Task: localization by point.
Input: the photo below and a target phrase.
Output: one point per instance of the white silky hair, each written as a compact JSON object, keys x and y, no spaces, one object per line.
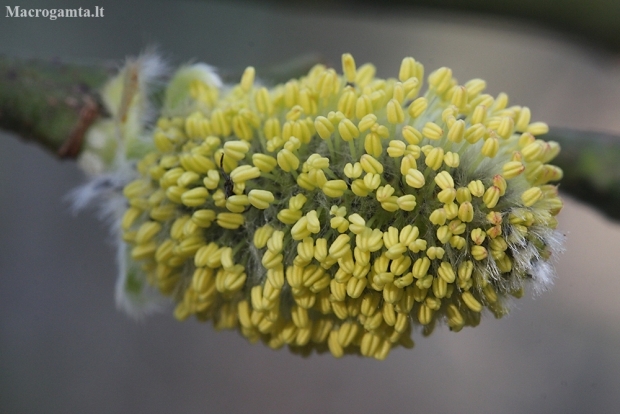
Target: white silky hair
{"x":104,"y":192}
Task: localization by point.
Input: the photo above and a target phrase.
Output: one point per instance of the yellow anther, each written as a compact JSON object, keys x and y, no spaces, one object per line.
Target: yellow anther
{"x":187,"y":178}
{"x":523,"y":120}
{"x":411,"y":135}
{"x":289,"y":216}
{"x":347,"y":101}
{"x":432,"y":131}
{"x":370,"y":164}
{"x":194,"y":197}
{"x":265,"y":163}
{"x":242,"y":128}
{"x":339,"y":223}
{"x":143,"y":251}
{"x":458,"y":242}
{"x":415,"y":178}
{"x":367,"y":122}
{"x":425,"y":314}
{"x":538,"y":128}
{"x":471,"y":302}
{"x":399,"y":94}
{"x":491,"y":196}
{"x":347,"y":129}
{"x":512,"y":169}
{"x":314,"y":225}
{"x":505,"y":128}
{"x":396,"y":148}
{"x":384,"y":192}
{"x":406,"y":202}
{"x":244,"y":173}
{"x":262,"y":236}
{"x":263,"y":101}
{"x":438,"y":217}
{"x":305,"y":250}
{"x":334,"y":188}
{"x":287,"y":160}
{"x":260,"y":198}
{"x":230,"y":221}
{"x":372,"y":144}
{"x":494,"y":217}
{"x":130,"y":217}
{"x":390,"y":204}
{"x":552,"y":149}
{"x":465,"y":270}
{"x":533,"y":151}
{"x":474,"y":133}
{"x":348,"y":67}
{"x":435,"y":253}
{"x":459,"y":97}
{"x":531,"y":196}
{"x":220,"y":123}
{"x":479,"y":115}
{"x":447,"y":196}
{"x":444,"y":180}
{"x":203,"y":218}
{"x":499,"y":182}
{"x":490,"y":147}
{"x":466,"y":212}
{"x":444,"y":234}
{"x":479,"y":252}
{"x":474,"y":87}
{"x":456,"y":133}
{"x":237,"y":203}
{"x":417,"y":107}
{"x":355,"y":287}
{"x":324,"y":127}
{"x":407,"y":69}
{"x":407,"y":163}
{"x":340,"y":246}
{"x":363,"y":107}
{"x":370,"y":240}
{"x":272,"y":128}
{"x":327,"y":84}
{"x":356,"y":223}
{"x":476,"y":188}
{"x":359,"y":188}
{"x":353,"y":170}
{"x":434,"y":159}
{"x":147,"y":231}
{"x":365,"y":74}
{"x":440,"y":80}
{"x":247,"y":79}
{"x":394,"y":111}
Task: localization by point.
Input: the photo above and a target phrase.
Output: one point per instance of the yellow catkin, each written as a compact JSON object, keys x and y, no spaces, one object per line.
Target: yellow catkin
{"x":336,"y":212}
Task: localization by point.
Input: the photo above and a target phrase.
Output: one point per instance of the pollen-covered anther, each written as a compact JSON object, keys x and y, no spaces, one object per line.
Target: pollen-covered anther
{"x":531,"y":196}
{"x":260,"y":199}
{"x":434,"y":158}
{"x":432,"y":131}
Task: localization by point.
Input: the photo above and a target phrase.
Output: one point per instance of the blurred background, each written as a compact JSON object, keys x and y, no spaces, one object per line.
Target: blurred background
{"x":64,"y":348}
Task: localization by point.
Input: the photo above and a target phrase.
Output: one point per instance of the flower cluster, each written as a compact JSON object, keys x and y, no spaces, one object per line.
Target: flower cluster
{"x":335,"y":212}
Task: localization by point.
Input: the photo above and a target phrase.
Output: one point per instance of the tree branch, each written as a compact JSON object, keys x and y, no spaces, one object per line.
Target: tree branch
{"x":51,"y":103}
{"x":591,"y":165}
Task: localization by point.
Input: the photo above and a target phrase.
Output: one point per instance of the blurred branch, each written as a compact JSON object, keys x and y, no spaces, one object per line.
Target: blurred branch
{"x":591,"y":165}
{"x":595,"y":21}
{"x":54,"y":103}
{"x":51,"y":103}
